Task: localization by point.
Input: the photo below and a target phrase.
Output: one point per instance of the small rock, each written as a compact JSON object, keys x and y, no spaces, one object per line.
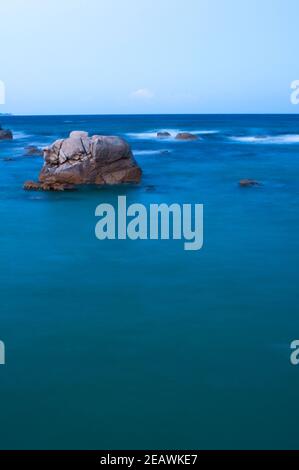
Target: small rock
{"x":32,"y":150}
{"x":245,"y":183}
{"x":31,"y":186}
{"x":163,"y":135}
{"x":150,"y":188}
{"x":186,"y":136}
{"x":34,"y":186}
{"x":57,"y":187}
{"x":5,"y":134}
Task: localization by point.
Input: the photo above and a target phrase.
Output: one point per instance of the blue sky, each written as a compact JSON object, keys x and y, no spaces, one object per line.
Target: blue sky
{"x":148,"y":56}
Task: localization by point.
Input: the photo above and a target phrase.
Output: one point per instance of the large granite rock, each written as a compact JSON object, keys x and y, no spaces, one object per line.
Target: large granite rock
{"x":5,"y":134}
{"x":81,"y":159}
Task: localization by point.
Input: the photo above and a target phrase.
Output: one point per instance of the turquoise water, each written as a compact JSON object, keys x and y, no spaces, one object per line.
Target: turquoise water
{"x":140,"y":344}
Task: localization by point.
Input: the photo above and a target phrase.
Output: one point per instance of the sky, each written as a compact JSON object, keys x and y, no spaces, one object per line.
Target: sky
{"x":148,"y":56}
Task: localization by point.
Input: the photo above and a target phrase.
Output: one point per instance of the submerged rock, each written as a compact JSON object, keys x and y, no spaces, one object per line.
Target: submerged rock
{"x":150,"y":188}
{"x":186,"y":136}
{"x":81,"y":159}
{"x":245,"y":183}
{"x":163,"y":135}
{"x":5,"y":134}
{"x":32,"y":150}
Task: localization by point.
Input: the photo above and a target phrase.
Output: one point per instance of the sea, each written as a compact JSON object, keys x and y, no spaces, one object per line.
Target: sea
{"x":140,"y":344}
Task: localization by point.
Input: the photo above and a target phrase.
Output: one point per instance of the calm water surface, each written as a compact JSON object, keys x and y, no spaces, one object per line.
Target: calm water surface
{"x":140,"y":344}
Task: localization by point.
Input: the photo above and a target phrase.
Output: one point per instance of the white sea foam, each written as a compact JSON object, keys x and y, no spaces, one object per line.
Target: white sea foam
{"x":147,"y":152}
{"x":20,"y":135}
{"x":41,"y":144}
{"x":268,"y":139}
{"x":202,"y":132}
{"x":152,"y":134}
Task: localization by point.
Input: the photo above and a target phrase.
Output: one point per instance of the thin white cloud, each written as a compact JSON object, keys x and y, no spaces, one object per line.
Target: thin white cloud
{"x":143,"y":93}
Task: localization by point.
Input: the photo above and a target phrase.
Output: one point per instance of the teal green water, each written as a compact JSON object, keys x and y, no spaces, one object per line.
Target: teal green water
{"x":140,"y":344}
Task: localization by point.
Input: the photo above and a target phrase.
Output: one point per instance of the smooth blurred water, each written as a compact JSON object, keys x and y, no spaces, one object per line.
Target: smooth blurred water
{"x":140,"y":344}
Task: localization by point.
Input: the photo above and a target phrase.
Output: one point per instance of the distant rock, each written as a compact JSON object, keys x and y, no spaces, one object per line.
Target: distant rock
{"x":32,"y":150}
{"x":5,"y":134}
{"x":8,"y":159}
{"x":245,"y":183}
{"x":186,"y":136}
{"x":80,"y":159}
{"x":163,"y":135}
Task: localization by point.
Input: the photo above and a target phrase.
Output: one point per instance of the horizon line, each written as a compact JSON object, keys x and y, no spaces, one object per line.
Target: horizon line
{"x":153,"y":114}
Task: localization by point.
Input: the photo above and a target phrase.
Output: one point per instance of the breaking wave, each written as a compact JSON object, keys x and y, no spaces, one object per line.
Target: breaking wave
{"x":20,"y":135}
{"x":152,"y":134}
{"x":268,"y":139}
